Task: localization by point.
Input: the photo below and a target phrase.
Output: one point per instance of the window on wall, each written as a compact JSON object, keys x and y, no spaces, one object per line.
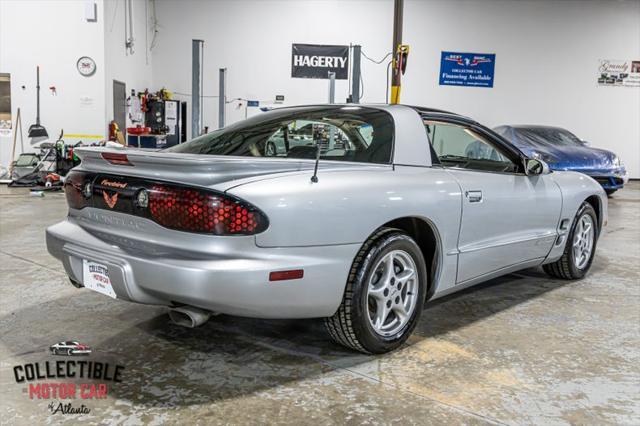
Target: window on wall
{"x":461,"y":147}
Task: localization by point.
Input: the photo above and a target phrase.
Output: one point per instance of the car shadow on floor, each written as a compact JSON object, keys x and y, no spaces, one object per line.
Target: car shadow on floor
{"x":229,"y":357}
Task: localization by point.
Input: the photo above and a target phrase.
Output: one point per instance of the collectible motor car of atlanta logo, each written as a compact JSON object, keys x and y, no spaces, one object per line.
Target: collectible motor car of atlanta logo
{"x":67,"y":379}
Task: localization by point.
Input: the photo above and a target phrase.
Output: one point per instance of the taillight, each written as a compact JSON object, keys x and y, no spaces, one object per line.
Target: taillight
{"x":195,"y":210}
{"x":116,"y":158}
{"x":74,"y":185}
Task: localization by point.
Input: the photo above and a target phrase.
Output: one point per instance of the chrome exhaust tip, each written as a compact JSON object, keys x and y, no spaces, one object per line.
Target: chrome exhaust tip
{"x":189,"y":316}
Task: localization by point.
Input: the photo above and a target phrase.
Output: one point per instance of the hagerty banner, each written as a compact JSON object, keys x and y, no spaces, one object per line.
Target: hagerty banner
{"x":467,"y":69}
{"x":316,"y":61}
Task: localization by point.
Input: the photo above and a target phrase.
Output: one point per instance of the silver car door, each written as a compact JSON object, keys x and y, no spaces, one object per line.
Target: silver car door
{"x":508,"y":218}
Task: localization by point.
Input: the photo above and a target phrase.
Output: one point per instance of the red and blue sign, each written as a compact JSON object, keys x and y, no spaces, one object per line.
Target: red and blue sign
{"x":467,"y":69}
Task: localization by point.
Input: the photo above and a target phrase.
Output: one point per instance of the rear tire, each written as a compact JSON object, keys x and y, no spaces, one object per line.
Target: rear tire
{"x":384,"y":295}
{"x":610,"y":192}
{"x":573,"y":266}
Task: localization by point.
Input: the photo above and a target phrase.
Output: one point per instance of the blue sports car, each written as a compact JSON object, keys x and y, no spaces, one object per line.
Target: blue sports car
{"x":563,"y":150}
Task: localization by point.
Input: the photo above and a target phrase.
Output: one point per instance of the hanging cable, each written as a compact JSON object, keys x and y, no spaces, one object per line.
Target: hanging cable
{"x":155,"y":26}
{"x":373,"y":60}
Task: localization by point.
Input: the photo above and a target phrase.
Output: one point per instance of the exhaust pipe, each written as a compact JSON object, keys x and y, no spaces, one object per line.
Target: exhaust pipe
{"x":189,"y":316}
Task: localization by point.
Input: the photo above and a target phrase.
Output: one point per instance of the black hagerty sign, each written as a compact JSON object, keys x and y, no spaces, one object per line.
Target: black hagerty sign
{"x":316,"y":61}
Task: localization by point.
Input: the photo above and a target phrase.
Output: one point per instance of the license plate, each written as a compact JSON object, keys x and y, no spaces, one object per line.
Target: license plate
{"x":96,"y":277}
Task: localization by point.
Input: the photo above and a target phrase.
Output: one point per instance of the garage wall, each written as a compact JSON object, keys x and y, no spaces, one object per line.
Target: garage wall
{"x":53,"y":35}
{"x":252,"y":39}
{"x":546,"y":64}
{"x":135,"y":70}
{"x":547,"y":56}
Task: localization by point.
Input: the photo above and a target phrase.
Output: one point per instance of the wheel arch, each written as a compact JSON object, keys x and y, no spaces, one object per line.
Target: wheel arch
{"x":426,"y":235}
{"x":596,"y":203}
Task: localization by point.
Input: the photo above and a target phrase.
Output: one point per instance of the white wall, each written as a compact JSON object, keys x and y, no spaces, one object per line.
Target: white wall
{"x":547,"y":56}
{"x":546,"y":64}
{"x":252,"y":39}
{"x":53,"y":35}
{"x":135,"y":69}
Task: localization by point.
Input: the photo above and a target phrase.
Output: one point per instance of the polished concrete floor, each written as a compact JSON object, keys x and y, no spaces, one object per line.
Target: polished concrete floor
{"x":523,"y":349}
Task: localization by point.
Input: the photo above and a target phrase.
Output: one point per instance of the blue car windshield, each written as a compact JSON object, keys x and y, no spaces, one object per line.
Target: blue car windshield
{"x":548,"y":136}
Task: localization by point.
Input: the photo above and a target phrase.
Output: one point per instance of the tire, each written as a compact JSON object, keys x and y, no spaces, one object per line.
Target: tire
{"x":366,"y":294}
{"x":69,"y":352}
{"x":567,"y":267}
{"x":610,"y":192}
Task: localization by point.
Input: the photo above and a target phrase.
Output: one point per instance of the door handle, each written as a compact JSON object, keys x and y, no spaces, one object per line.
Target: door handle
{"x":474,"y":196}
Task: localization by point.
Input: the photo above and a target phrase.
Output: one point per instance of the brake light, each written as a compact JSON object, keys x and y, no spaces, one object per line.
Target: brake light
{"x":195,"y":210}
{"x":116,"y":158}
{"x":74,"y":184}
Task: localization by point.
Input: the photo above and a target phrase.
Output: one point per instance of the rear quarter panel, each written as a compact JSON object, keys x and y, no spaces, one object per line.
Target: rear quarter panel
{"x":347,"y":207}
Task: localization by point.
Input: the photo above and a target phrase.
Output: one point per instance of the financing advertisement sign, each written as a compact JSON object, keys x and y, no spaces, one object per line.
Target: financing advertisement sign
{"x":316,"y":61}
{"x":615,"y":72}
{"x":467,"y":69}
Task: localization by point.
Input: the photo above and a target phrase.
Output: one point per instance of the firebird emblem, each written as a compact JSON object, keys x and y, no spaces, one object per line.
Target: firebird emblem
{"x":110,"y":200}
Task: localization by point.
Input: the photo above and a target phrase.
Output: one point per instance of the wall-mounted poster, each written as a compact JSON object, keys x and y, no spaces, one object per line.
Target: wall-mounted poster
{"x":467,"y":69}
{"x":316,"y":61}
{"x":615,"y":72}
{"x":5,"y":104}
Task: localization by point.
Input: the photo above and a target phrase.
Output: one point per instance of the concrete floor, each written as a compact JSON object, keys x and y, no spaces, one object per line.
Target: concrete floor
{"x":523,"y":349}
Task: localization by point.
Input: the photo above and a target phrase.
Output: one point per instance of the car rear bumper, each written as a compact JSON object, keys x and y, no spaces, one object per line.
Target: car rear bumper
{"x":236,"y":284}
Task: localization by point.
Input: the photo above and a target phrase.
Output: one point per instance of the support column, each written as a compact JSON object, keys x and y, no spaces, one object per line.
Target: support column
{"x":196,"y":77}
{"x":355,"y":74}
{"x":397,"y":41}
{"x":222,"y":97}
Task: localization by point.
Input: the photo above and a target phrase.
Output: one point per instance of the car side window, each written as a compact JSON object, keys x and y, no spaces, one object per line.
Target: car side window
{"x":462,"y":147}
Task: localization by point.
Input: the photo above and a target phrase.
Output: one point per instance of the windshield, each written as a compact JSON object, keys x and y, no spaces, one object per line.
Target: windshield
{"x":548,"y":135}
{"x":348,"y":133}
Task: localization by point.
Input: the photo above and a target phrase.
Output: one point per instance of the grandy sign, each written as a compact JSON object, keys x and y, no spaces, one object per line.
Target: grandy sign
{"x":316,"y":61}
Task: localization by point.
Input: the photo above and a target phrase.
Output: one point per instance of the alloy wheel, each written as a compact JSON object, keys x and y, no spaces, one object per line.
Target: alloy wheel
{"x":392,"y":292}
{"x":583,"y":238}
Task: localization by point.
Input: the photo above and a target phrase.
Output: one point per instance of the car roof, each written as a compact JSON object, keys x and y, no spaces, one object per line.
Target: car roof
{"x":419,"y":109}
{"x":530,"y":126}
{"x":439,"y":113}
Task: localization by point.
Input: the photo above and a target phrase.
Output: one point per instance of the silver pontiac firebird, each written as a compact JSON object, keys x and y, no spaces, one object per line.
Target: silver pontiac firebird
{"x":354,"y":213}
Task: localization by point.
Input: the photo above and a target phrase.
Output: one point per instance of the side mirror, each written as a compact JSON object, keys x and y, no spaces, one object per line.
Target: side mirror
{"x":535,"y":167}
{"x":585,"y":143}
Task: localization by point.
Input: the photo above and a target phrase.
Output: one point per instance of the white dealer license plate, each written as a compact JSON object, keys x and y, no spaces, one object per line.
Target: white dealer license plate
{"x":95,"y":276}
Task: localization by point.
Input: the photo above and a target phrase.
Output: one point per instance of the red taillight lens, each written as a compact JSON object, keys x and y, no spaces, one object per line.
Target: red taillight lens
{"x":194,"y":210}
{"x":73,"y":186}
{"x":116,"y":158}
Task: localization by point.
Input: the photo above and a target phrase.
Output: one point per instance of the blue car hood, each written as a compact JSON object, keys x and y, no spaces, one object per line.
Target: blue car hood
{"x":571,"y":157}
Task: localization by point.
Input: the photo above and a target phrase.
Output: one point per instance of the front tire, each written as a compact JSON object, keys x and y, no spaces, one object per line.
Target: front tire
{"x":384,"y":295}
{"x":580,"y":246}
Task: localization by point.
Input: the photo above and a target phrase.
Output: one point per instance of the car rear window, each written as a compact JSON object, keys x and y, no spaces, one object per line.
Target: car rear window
{"x":343,"y":133}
